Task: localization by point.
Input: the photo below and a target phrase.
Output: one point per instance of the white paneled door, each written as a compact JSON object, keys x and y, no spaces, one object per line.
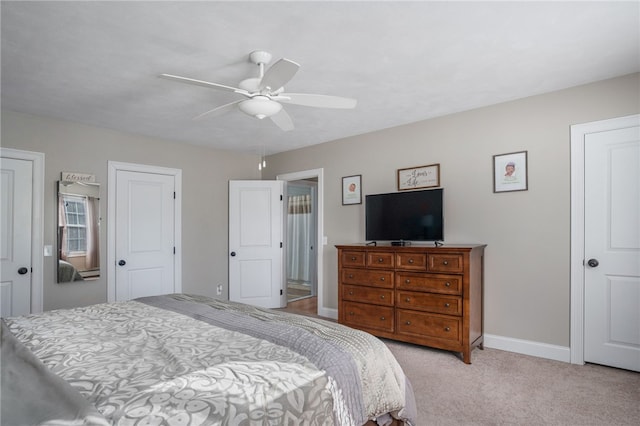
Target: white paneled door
{"x":612,"y":248}
{"x":15,"y":236}
{"x":144,"y":234}
{"x":256,"y":260}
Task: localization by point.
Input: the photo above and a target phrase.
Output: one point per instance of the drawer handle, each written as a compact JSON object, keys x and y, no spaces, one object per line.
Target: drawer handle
{"x":407,"y":281}
{"x":447,"y":284}
{"x":408,"y":299}
{"x":408,"y":322}
{"x":446,"y":305}
{"x":351,"y":313}
{"x":382,"y":296}
{"x":446,"y":262}
{"x":381,"y":278}
{"x":410,"y":260}
{"x":350,"y":292}
{"x":350,"y":275}
{"x":353,"y":258}
{"x":447,"y":329}
{"x":380,"y":260}
{"x":382,"y":318}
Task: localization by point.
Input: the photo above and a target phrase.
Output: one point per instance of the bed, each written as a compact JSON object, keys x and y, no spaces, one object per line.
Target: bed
{"x":191,"y":360}
{"x":67,"y":272}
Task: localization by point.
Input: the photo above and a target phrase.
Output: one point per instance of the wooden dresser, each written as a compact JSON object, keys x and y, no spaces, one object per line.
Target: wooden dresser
{"x":420,"y":294}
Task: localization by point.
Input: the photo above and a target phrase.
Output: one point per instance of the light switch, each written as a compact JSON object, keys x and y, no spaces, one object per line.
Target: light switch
{"x":324,"y":240}
{"x":48,"y":251}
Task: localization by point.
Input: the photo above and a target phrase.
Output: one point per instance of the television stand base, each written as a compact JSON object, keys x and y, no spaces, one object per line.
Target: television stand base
{"x":401,"y":243}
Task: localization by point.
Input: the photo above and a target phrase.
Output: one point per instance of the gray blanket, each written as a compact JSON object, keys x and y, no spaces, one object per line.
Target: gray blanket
{"x":199,"y":361}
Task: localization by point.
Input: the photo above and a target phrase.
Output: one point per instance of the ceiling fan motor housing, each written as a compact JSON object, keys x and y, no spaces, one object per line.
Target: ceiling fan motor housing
{"x":260,"y":107}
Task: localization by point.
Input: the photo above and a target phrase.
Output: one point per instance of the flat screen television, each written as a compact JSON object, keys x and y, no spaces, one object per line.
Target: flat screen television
{"x":405,"y":216}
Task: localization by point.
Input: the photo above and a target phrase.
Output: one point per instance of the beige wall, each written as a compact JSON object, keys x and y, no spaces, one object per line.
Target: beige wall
{"x":205,"y":174}
{"x":527,"y":258}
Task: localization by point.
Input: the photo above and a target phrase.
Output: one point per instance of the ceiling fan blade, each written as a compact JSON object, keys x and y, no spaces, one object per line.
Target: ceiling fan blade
{"x":204,"y":83}
{"x":320,"y":101}
{"x":218,"y":110}
{"x":283,"y":120}
{"x":279,"y":74}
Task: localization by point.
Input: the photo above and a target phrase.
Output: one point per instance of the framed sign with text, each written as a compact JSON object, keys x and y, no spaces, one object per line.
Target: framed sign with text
{"x":419,"y":177}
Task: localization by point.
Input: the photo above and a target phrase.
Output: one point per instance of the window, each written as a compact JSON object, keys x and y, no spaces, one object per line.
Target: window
{"x":75,"y":211}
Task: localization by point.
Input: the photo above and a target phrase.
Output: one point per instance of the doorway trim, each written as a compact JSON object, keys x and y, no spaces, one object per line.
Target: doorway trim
{"x":113,"y":168}
{"x":578,"y":134}
{"x":37,"y":222}
{"x":320,"y":240}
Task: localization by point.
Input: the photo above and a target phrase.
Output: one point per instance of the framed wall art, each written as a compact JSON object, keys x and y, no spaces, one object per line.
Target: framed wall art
{"x":419,"y":177}
{"x":352,"y":190}
{"x":510,"y":172}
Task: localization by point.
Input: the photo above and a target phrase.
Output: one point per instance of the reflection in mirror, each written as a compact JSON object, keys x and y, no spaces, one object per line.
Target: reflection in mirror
{"x":78,"y":231}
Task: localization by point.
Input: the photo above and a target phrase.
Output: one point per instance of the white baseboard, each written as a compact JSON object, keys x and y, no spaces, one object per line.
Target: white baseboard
{"x":328,"y":313}
{"x":527,"y":347}
{"x":510,"y":344}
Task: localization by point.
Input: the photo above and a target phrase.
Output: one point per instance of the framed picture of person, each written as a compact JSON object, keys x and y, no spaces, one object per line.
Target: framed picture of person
{"x":352,"y":190}
{"x":510,"y":172}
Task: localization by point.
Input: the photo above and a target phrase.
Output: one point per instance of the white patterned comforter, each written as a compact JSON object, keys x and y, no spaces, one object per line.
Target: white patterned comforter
{"x":191,"y":360}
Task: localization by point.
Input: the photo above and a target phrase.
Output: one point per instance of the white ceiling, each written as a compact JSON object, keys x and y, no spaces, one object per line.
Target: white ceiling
{"x":97,"y":62}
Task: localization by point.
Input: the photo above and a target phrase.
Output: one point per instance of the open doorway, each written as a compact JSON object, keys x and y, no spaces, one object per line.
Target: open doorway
{"x":302,"y":217}
{"x":313,"y":304}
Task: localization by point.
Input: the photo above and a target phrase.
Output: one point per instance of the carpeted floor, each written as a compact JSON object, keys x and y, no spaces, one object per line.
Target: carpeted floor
{"x":505,"y":388}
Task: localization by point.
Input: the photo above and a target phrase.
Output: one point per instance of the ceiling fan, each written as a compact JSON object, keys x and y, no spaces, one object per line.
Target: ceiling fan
{"x":264,"y":95}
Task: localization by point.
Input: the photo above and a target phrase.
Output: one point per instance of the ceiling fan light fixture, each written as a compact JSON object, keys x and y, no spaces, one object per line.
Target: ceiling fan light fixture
{"x":260,"y":107}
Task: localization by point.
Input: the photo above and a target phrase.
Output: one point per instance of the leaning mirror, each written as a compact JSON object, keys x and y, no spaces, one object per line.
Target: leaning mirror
{"x":78,"y":231}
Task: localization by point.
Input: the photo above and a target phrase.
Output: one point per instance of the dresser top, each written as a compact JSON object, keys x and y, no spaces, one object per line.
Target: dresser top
{"x":410,"y":247}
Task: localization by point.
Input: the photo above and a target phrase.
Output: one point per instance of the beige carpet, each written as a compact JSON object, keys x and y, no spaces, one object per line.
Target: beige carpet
{"x":504,"y":388}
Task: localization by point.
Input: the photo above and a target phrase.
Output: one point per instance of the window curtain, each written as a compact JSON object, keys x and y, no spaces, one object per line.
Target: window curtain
{"x":299,"y":238}
{"x":92,"y":256}
{"x":62,"y":229}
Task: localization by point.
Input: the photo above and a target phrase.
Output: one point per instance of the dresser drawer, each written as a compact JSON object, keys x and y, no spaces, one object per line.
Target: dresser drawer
{"x":429,"y":302}
{"x":411,"y":261}
{"x":367,"y":277}
{"x":380,"y":259}
{"x":368,"y":316}
{"x":418,"y":324}
{"x":445,"y":262}
{"x":445,"y":284}
{"x":358,"y":293}
{"x":353,"y":258}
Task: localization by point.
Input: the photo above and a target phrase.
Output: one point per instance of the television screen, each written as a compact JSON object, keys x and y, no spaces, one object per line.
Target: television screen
{"x":405,"y":216}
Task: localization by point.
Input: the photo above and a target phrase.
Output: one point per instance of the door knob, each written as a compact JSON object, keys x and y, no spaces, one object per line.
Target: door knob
{"x":23,"y":270}
{"x":593,"y":263}
{"x":233,"y":253}
{"x":122,"y":262}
